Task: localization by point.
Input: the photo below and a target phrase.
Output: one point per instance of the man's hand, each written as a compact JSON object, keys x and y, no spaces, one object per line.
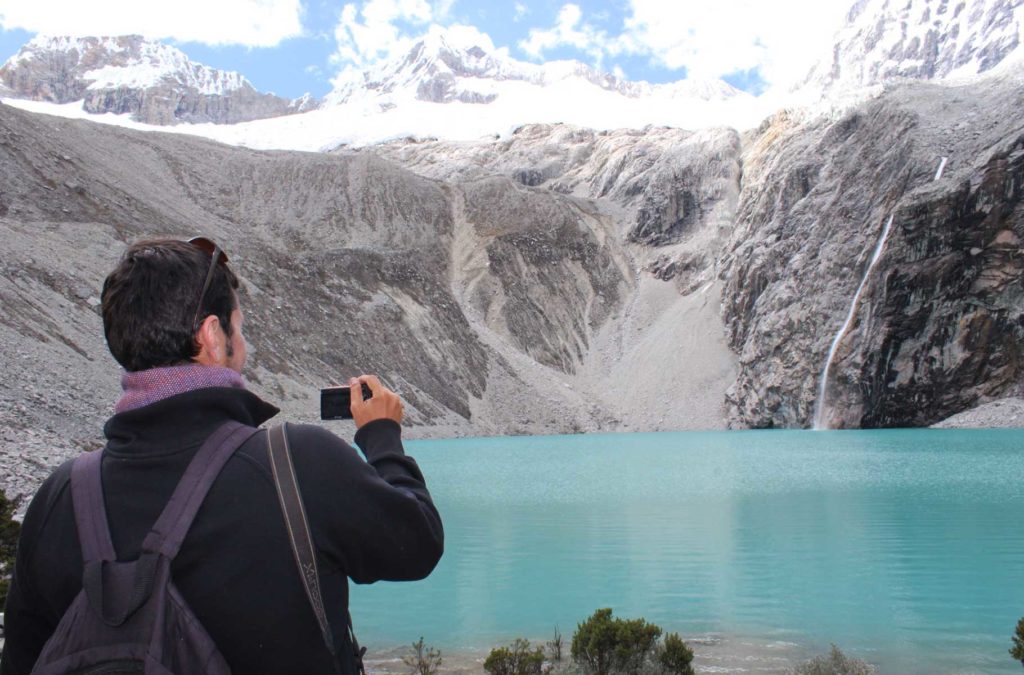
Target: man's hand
{"x":384,"y":404}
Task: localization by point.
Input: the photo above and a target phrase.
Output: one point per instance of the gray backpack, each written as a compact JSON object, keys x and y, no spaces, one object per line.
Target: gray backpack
{"x":129,"y":616}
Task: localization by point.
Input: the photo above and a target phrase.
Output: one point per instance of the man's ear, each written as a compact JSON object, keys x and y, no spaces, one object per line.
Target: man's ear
{"x":211,"y":339}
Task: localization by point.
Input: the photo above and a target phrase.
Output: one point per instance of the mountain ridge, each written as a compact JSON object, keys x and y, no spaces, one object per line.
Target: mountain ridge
{"x":445,"y":64}
{"x":154,"y":82}
{"x":454,"y":84}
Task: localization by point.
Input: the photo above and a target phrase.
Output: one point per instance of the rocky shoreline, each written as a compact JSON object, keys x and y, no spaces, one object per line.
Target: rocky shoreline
{"x":713,"y":653}
{"x":1005,"y":413}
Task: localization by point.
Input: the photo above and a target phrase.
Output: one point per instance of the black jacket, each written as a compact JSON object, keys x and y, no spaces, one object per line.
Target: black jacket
{"x":371,"y":520}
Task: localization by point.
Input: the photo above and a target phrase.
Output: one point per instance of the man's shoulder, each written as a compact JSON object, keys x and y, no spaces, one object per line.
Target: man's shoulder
{"x":52,"y":491}
{"x":308,"y":443}
{"x":54,"y":486}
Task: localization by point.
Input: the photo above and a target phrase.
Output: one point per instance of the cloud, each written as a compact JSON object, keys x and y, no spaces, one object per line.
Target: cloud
{"x":254,"y":23}
{"x":570,"y":31}
{"x":381,"y":28}
{"x":778,"y":40}
{"x":521,"y":11}
{"x":442,"y":9}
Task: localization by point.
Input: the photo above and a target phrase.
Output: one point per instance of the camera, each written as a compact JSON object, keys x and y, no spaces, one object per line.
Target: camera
{"x":336,"y":402}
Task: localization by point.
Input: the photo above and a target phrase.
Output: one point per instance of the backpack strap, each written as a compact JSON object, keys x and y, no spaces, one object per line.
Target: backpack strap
{"x":301,"y":539}
{"x":90,"y":509}
{"x":173,"y":524}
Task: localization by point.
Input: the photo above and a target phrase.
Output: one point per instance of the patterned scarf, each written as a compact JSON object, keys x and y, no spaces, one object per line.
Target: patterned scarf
{"x":149,"y":386}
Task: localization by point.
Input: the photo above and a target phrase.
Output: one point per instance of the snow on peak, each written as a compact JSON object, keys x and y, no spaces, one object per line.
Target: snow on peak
{"x":919,"y":39}
{"x":460,"y":63}
{"x":128,"y":61}
{"x":430,"y":70}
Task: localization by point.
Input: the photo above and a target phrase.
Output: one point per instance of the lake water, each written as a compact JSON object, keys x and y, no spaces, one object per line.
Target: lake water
{"x":905,"y":548}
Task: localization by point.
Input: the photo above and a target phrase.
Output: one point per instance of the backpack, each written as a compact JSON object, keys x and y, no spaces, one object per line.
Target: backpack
{"x":129,"y":616}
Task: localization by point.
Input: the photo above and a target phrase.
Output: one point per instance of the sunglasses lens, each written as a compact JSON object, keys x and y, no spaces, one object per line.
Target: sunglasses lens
{"x":208,"y":246}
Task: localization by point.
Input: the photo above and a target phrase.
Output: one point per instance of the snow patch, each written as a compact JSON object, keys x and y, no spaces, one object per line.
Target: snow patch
{"x":130,"y":62}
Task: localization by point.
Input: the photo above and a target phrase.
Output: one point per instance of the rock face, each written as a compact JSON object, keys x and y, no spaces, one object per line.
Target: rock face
{"x":940,"y":322}
{"x":155,"y":83}
{"x":672,"y":192}
{"x":918,"y":39}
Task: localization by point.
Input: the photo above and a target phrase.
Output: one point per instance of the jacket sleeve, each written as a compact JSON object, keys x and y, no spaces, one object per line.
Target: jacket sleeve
{"x":25,"y":631}
{"x":372,"y":519}
{"x":27,"y":622}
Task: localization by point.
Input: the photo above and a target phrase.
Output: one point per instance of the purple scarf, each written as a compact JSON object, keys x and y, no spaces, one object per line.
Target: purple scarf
{"x":149,"y":386}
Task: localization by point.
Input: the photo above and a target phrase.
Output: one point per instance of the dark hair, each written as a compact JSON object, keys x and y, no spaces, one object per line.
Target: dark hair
{"x":149,"y":303}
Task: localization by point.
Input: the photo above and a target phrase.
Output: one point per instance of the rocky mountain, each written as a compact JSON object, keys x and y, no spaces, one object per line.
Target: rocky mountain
{"x":786,"y":218}
{"x":456,"y":293}
{"x":557,"y":280}
{"x":860,"y":267}
{"x":918,"y":39}
{"x":154,"y":82}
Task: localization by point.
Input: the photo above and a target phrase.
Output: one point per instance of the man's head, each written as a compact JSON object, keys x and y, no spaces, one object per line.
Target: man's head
{"x":152,"y":315}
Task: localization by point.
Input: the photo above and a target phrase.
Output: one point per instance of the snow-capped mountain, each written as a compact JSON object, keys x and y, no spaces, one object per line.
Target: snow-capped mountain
{"x":452,"y":84}
{"x":156,"y":83}
{"x":919,"y":39}
{"x":462,"y":64}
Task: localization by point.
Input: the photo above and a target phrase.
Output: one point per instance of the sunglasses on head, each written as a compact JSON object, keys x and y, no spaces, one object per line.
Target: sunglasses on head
{"x":217,"y":257}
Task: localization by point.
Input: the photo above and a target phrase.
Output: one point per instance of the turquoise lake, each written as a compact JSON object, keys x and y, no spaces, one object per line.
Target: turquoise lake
{"x":905,"y":547}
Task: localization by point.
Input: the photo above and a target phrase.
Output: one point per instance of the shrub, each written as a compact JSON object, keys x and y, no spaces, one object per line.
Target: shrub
{"x":517,"y":659}
{"x":424,"y":659}
{"x":593,"y":643}
{"x":9,"y":531}
{"x":555,"y":646}
{"x":602,"y":645}
{"x":675,"y":656}
{"x":835,"y":663}
{"x":1018,"y":643}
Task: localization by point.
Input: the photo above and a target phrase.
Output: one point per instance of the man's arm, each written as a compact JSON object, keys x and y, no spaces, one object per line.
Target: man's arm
{"x":25,"y":632}
{"x":27,"y":625}
{"x":376,"y":519}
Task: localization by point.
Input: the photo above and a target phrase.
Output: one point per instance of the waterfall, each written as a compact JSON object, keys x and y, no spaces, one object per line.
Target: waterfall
{"x":942,"y":165}
{"x":819,"y":404}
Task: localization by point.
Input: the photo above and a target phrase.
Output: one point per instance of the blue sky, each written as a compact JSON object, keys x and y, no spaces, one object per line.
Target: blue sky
{"x":295,"y":46}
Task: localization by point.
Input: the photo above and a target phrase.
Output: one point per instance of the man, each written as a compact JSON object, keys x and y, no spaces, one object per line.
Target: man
{"x":172,"y":320}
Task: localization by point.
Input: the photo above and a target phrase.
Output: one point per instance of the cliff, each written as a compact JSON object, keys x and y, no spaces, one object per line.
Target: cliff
{"x":938,"y":325}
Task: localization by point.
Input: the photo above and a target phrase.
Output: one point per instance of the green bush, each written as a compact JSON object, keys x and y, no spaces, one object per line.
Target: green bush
{"x":9,"y":531}
{"x":1018,"y":643}
{"x":603,"y":645}
{"x":594,"y":641}
{"x":675,"y":656}
{"x":424,"y":659}
{"x":835,"y":663}
{"x":517,"y":659}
